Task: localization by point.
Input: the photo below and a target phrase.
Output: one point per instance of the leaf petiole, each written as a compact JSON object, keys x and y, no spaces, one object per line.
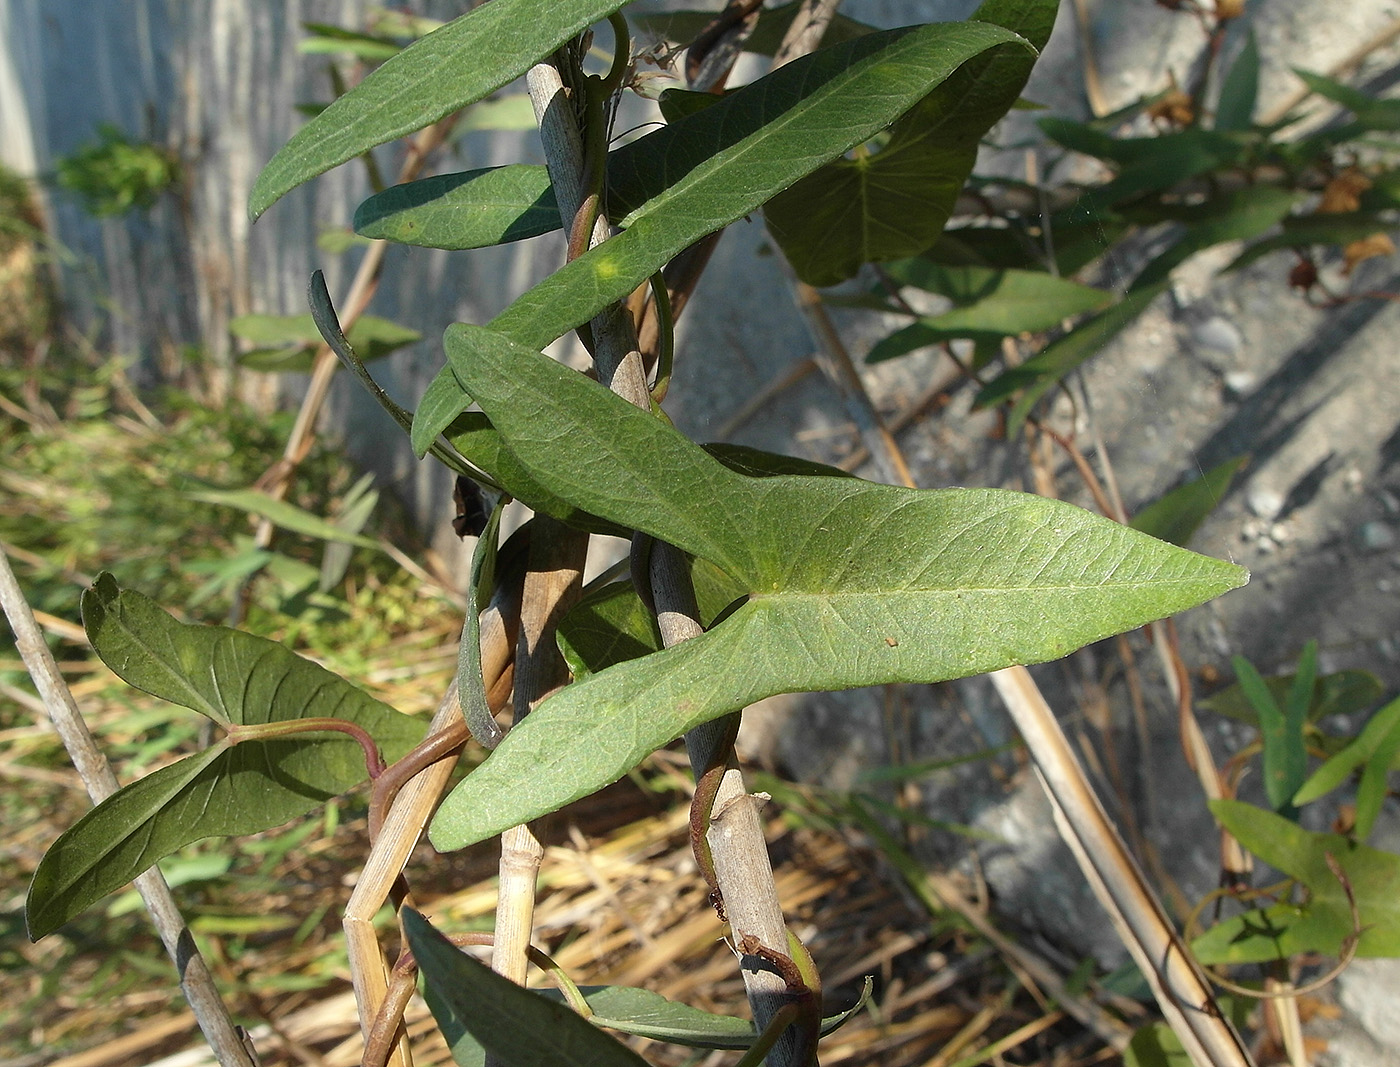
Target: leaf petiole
{"x":268,"y":731}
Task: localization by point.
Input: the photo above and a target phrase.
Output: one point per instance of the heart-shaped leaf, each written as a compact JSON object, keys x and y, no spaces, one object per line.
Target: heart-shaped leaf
{"x":850,"y":583}
{"x":236,"y":680}
{"x":696,"y":176}
{"x":448,"y":69}
{"x":894,"y":202}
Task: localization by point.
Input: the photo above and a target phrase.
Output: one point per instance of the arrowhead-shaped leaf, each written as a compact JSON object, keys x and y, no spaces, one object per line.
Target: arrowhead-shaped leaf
{"x":850,"y":583}
{"x":895,"y":201}
{"x":1325,"y":921}
{"x":448,"y":69}
{"x":696,"y":176}
{"x":235,"y":679}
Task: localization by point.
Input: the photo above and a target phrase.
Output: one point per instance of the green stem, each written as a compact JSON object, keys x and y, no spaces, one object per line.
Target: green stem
{"x":622,"y":55}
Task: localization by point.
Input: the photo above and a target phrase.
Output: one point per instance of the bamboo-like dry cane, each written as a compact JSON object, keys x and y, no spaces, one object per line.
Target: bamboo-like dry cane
{"x":398,"y":835}
{"x":740,"y":851}
{"x":1181,"y":989}
{"x":195,"y":980}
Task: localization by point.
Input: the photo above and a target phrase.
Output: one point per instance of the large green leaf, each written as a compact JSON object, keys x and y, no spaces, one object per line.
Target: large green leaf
{"x":1324,"y":921}
{"x":696,"y":176}
{"x":471,"y":209}
{"x":448,"y":69}
{"x":895,"y":201}
{"x":517,"y":1027}
{"x":236,"y":680}
{"x":850,"y":583}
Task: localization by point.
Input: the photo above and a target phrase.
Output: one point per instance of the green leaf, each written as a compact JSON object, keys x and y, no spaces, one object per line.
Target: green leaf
{"x":355,"y":511}
{"x":1147,"y":164}
{"x":1155,"y":1045}
{"x":855,"y":583}
{"x":611,"y":625}
{"x":280,"y":513}
{"x":471,"y":684}
{"x":1324,"y":922}
{"x":334,"y":40}
{"x":773,"y":22}
{"x":1003,"y":302}
{"x":1303,"y":230}
{"x":1082,"y":138}
{"x":448,"y":69}
{"x":991,"y":304}
{"x":473,"y":436}
{"x":1240,"y":91}
{"x":696,"y":176}
{"x":1342,"y":693}
{"x":1331,"y":89}
{"x":1374,"y":745}
{"x":236,"y":680}
{"x":895,"y":201}
{"x":471,"y":209}
{"x":1242,"y":215}
{"x":517,"y":1027}
{"x":1176,"y":516}
{"x":921,"y":335}
{"x":1038,"y":375}
{"x":1285,"y":754}
{"x":624,"y":1008}
{"x":1078,"y":239}
{"x":289,"y":342}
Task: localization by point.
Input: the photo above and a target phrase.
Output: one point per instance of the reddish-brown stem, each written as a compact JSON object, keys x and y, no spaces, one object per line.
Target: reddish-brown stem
{"x":441,"y":745}
{"x":267,"y":731}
